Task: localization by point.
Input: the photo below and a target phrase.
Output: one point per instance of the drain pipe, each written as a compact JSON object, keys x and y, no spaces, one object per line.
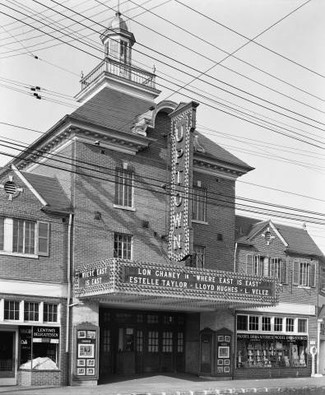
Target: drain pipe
{"x":67,"y":343}
{"x":235,"y":255}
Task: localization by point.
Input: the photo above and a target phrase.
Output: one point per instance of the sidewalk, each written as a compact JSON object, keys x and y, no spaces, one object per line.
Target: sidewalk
{"x":183,"y":385}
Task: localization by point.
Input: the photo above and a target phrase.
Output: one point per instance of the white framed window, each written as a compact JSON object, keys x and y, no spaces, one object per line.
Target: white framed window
{"x":50,"y":312}
{"x":304,"y":273}
{"x":122,"y":246}
{"x":199,"y":204}
{"x":302,"y":325}
{"x":268,"y":267}
{"x":290,"y":324}
{"x":278,"y":324}
{"x":253,"y":323}
{"x":124,"y":179}
{"x":11,"y":310}
{"x":24,"y":237}
{"x":31,"y":311}
{"x":266,"y":324}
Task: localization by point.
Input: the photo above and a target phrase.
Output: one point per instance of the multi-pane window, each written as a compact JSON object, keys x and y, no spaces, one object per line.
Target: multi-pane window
{"x":180,"y":342}
{"x":31,"y":311}
{"x":50,"y":312}
{"x":122,"y":246}
{"x":167,"y":341}
{"x":266,"y":323}
{"x":199,"y":204}
{"x":23,"y":236}
{"x":242,"y":322}
{"x":20,"y":236}
{"x":153,"y":341}
{"x":106,"y":340}
{"x":139,"y":341}
{"x":11,"y":310}
{"x":265,"y":266}
{"x":124,"y":187}
{"x":302,"y":325}
{"x":304,"y":273}
{"x":278,"y":324}
{"x":152,"y":319}
{"x":199,"y":256}
{"x":253,"y":323}
{"x":290,"y":325}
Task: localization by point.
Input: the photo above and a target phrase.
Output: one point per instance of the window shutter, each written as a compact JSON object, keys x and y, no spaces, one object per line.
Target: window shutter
{"x":284,"y":265}
{"x":249,"y":264}
{"x":43,"y":238}
{"x":312,"y":274}
{"x":295,"y":273}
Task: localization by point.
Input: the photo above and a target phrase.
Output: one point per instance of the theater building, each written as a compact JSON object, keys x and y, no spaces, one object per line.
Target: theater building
{"x":280,"y":341}
{"x":121,"y":239}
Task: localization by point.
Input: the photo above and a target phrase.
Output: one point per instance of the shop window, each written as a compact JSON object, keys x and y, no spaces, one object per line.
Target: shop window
{"x":278,"y":324}
{"x":31,"y":311}
{"x":199,"y":204}
{"x":18,"y":236}
{"x":290,"y":324}
{"x":302,"y":325}
{"x":266,"y":323}
{"x":153,"y":341}
{"x":261,"y":351}
{"x":39,"y":347}
{"x":122,"y":246}
{"x":242,"y":322}
{"x":124,"y":187}
{"x":304,"y":273}
{"x":180,"y":342}
{"x":167,"y":342}
{"x":198,"y":257}
{"x":253,"y":323}
{"x":50,"y":312}
{"x":11,"y":310}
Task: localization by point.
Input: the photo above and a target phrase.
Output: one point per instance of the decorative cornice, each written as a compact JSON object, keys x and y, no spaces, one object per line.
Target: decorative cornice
{"x":72,"y":128}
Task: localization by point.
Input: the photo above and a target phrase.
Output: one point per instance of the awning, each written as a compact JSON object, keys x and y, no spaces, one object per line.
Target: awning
{"x":117,"y":282}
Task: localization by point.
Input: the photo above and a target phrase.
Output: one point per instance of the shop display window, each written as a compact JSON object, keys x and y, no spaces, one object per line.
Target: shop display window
{"x":258,"y":351}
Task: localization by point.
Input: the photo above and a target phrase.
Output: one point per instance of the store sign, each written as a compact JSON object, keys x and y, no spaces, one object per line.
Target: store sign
{"x":45,"y":334}
{"x":228,"y":283}
{"x":183,"y":124}
{"x":259,"y":337}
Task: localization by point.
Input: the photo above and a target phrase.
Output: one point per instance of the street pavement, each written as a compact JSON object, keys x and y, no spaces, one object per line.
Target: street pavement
{"x":183,"y":385}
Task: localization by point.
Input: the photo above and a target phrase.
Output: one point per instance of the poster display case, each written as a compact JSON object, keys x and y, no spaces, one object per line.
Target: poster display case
{"x":86,"y":365}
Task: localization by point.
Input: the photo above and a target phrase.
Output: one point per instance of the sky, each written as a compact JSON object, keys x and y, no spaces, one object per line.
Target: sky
{"x":257,"y":68}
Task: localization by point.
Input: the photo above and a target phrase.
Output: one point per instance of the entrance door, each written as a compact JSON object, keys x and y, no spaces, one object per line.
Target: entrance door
{"x":126,"y":351}
{"x":7,"y":358}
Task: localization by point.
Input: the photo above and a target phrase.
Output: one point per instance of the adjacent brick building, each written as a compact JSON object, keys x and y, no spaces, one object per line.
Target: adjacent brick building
{"x":276,"y":341}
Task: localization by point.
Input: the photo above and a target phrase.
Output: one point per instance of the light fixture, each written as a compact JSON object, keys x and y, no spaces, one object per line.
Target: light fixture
{"x":98,"y":215}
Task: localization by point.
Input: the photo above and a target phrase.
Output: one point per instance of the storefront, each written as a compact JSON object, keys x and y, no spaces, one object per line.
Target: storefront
{"x":272,"y":346}
{"x":146,"y":318}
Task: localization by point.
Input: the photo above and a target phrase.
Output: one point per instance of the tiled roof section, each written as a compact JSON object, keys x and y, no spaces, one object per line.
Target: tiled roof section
{"x":298,"y":239}
{"x":112,"y":109}
{"x":50,"y":190}
{"x":215,"y":151}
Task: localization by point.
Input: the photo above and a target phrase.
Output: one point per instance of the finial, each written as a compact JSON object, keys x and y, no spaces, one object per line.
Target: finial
{"x":118,"y":6}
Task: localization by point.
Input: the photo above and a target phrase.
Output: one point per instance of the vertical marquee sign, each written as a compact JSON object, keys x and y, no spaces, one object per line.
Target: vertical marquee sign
{"x":183,"y":124}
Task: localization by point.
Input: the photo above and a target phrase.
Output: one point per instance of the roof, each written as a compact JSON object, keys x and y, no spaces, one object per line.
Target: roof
{"x":112,"y":109}
{"x":215,"y":151}
{"x":50,"y":190}
{"x":298,"y":239}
